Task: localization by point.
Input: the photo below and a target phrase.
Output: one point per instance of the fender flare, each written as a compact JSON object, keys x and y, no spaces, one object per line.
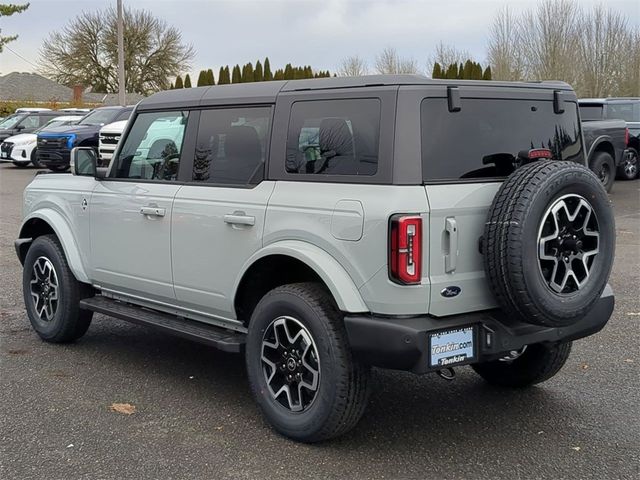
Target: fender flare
{"x":596,"y":143}
{"x":335,"y":277}
{"x":61,"y":228}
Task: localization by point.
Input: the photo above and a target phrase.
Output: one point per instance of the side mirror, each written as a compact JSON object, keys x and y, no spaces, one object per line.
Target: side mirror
{"x":84,"y":161}
{"x":19,"y":127}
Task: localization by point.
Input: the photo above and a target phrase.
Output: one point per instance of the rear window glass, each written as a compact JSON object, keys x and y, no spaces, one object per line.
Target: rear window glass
{"x":334,"y":137}
{"x":590,"y":112}
{"x":487,"y":137}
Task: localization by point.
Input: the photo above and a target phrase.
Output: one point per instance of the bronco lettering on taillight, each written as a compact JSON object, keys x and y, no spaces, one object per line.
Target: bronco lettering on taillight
{"x":405,"y":249}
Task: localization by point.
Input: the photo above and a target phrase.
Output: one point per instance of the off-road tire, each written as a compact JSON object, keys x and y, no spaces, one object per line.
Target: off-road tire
{"x":538,"y":363}
{"x":344,"y":387}
{"x":69,"y":322}
{"x":603,"y":165}
{"x":21,"y":164}
{"x":510,"y":243}
{"x":629,"y":168}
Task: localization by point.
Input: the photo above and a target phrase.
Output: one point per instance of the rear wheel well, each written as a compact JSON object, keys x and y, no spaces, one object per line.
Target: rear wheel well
{"x":266,"y":274}
{"x":603,"y":147}
{"x":33,"y":228}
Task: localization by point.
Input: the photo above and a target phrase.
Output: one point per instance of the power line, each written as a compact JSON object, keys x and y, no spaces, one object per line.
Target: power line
{"x":23,"y":58}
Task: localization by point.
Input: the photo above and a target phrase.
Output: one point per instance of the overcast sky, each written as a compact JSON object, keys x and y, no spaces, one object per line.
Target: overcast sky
{"x":313,"y":32}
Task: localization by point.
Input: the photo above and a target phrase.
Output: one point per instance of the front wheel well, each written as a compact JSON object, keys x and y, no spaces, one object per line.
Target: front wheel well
{"x":266,"y":274}
{"x":33,"y":228}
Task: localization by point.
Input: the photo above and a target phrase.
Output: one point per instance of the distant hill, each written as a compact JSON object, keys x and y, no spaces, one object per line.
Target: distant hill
{"x":31,"y":87}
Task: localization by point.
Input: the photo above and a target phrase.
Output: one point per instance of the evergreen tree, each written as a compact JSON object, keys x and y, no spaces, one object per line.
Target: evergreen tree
{"x":267,"y":70}
{"x":236,"y":76}
{"x":437,"y":71}
{"x":202,"y":78}
{"x":279,"y":75}
{"x":468,"y":69}
{"x":487,"y":73}
{"x":178,"y":83}
{"x":288,"y":72}
{"x":187,"y":81}
{"x":247,"y":73}
{"x":222,"y":76}
{"x":452,"y":71}
{"x":258,"y":75}
{"x":210,"y":78}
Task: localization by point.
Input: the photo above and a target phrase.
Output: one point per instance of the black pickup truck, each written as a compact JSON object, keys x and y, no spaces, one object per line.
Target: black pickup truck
{"x":597,"y":115}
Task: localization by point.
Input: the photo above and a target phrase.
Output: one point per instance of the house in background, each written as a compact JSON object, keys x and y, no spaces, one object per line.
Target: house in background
{"x":34,"y":88}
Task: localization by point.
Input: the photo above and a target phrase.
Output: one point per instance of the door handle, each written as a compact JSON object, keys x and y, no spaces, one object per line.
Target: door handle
{"x":451,"y":258}
{"x":152,"y":211}
{"x":239,"y":218}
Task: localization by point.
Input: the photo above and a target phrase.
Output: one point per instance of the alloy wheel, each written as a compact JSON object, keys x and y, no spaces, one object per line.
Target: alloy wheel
{"x":568,"y":243}
{"x":44,"y":289}
{"x":290,"y":363}
{"x":631,"y":164}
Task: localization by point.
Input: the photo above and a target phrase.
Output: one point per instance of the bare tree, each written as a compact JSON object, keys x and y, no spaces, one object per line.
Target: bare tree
{"x":447,"y":55}
{"x":388,"y":61}
{"x":85,"y":52}
{"x":353,"y":66}
{"x":603,"y":43}
{"x":504,"y":53}
{"x":630,"y":85}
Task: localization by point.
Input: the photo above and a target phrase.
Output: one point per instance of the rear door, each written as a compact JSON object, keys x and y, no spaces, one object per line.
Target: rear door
{"x":218,"y":216}
{"x":466,"y":154}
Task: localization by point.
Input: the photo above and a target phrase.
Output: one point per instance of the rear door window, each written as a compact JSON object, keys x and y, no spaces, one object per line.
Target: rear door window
{"x":334,"y":137}
{"x":232,"y":145}
{"x":484,"y":139}
{"x":590,"y":112}
{"x":624,"y":111}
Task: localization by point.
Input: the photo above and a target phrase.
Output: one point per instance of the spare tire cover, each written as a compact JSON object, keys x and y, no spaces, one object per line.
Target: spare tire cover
{"x":549,"y":243}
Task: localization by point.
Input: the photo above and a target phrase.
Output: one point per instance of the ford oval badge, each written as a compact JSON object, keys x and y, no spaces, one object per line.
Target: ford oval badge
{"x":450,"y":292}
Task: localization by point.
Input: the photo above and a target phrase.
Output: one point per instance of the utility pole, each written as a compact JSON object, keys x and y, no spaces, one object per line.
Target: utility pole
{"x":121,"y":88}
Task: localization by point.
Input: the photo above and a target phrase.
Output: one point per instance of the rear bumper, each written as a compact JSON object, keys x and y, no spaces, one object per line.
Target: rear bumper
{"x":401,"y":343}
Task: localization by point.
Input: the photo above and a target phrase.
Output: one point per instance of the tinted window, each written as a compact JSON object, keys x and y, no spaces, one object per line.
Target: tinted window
{"x":484,"y":138}
{"x":590,"y":112}
{"x":152,"y":148}
{"x":231,"y":145}
{"x":624,"y":111}
{"x":334,"y":137}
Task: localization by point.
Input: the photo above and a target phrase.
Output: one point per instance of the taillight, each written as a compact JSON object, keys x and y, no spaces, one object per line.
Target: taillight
{"x":626,"y":137}
{"x":405,"y":249}
{"x":539,"y":153}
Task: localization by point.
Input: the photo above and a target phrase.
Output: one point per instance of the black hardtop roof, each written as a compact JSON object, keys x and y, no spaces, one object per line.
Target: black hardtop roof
{"x":266,"y":92}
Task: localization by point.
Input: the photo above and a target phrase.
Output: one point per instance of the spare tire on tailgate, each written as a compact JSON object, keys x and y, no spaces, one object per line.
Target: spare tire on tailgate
{"x":549,"y":243}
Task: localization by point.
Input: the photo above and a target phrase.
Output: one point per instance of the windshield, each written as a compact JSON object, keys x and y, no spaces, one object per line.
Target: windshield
{"x":55,"y":123}
{"x":99,"y":117}
{"x":11,"y":121}
{"x":487,"y":137}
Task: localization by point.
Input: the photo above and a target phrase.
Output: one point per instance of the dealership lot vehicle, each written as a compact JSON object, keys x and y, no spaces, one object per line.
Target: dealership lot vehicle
{"x":606,"y":143}
{"x":108,"y":140}
{"x":54,"y":145}
{"x":25,"y":122}
{"x":626,"y":109}
{"x":315,"y":225}
{"x":21,"y":149}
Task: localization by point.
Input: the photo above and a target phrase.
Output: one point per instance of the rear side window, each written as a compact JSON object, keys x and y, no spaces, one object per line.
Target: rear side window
{"x":231,"y":145}
{"x":123,"y":115}
{"x":484,"y":139}
{"x":334,"y":137}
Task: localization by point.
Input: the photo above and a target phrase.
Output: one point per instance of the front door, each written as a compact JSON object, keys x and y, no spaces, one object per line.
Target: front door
{"x":218,"y":219}
{"x":131,"y":210}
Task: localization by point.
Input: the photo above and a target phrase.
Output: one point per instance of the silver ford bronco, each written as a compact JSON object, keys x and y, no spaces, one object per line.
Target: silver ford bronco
{"x":323,"y":227}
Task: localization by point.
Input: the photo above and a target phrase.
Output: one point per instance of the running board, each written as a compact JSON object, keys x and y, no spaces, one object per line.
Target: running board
{"x":217,"y":337}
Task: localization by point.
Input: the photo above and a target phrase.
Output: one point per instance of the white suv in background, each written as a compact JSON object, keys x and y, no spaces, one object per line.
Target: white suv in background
{"x":108,"y":140}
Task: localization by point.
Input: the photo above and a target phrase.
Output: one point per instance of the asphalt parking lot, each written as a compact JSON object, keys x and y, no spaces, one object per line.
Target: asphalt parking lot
{"x":195,"y":418}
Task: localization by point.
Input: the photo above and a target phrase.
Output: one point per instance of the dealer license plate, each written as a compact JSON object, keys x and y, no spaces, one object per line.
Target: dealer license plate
{"x":452,"y":347}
